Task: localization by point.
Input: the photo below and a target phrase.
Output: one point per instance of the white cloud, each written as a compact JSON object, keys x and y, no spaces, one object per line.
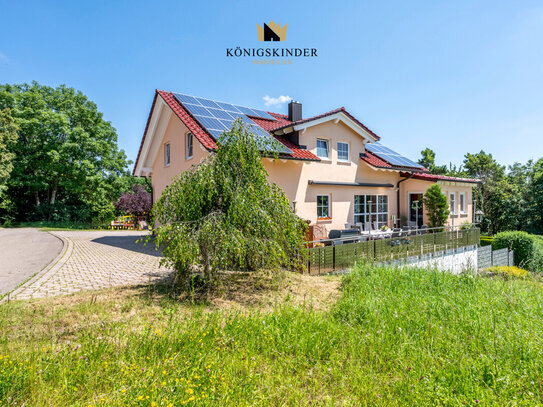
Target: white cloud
{"x":280,"y":100}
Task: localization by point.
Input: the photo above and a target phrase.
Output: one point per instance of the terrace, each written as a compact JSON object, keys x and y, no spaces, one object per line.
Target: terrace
{"x":345,"y":248}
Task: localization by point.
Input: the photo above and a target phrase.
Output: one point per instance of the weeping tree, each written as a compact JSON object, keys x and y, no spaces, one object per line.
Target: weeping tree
{"x":437,"y":207}
{"x":224,"y":215}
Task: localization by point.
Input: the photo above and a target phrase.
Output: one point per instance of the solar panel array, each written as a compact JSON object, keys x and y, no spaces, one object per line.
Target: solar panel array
{"x":391,"y":156}
{"x":218,"y":117}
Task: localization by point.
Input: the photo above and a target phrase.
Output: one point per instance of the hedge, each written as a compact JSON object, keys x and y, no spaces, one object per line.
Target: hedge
{"x":528,"y":248}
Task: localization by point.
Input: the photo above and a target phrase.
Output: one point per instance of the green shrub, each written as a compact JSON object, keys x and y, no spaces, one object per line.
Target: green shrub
{"x":528,"y":248}
{"x":437,"y":207}
{"x":486,"y":240}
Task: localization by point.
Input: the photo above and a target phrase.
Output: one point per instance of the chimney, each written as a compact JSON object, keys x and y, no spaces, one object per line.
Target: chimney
{"x":294,"y":111}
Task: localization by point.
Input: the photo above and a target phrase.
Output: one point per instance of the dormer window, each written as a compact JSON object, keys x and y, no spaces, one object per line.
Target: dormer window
{"x":323,"y":148}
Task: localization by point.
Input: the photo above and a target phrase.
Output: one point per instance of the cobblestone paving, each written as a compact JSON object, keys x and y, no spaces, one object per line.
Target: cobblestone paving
{"x":93,"y":260}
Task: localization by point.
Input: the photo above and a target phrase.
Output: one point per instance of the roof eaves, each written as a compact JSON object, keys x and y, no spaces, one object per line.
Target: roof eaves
{"x":145,"y":132}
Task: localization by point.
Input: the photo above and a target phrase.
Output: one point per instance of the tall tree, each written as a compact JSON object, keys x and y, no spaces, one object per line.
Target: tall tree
{"x":536,"y":198}
{"x":484,"y":167}
{"x":67,"y":154}
{"x":8,"y":138}
{"x":428,"y":160}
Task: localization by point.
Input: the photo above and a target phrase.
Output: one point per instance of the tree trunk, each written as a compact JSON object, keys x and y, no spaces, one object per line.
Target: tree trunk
{"x":53,"y":196}
{"x":37,"y":197}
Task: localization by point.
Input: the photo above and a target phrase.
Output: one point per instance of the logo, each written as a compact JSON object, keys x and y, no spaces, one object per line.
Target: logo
{"x":272,"y":32}
{"x":268,"y":54}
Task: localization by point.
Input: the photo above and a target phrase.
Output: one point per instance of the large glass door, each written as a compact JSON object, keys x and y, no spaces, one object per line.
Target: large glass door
{"x":416,"y":213}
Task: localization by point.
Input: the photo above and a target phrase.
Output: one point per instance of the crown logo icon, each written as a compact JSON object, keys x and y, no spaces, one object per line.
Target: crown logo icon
{"x":271,"y":32}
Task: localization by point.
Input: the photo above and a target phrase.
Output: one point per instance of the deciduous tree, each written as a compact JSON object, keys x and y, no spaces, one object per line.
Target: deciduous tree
{"x":66,"y":158}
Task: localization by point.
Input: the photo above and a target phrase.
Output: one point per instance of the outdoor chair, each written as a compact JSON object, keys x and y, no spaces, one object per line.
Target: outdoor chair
{"x":423,"y":229}
{"x":367,"y":226}
{"x":375,"y":225}
{"x":396,"y":232}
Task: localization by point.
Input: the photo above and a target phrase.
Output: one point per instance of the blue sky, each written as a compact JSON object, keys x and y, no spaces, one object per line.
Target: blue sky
{"x":454,"y":76}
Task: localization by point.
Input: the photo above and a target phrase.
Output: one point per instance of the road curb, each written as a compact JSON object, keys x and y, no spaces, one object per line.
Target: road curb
{"x":56,"y":264}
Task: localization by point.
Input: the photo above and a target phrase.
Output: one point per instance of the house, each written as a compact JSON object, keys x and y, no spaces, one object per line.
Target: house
{"x":333,"y":168}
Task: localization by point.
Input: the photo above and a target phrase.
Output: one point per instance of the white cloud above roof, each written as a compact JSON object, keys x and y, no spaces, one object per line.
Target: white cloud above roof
{"x":280,"y":100}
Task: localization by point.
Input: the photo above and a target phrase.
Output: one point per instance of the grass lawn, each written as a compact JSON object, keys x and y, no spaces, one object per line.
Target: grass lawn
{"x":390,"y":337}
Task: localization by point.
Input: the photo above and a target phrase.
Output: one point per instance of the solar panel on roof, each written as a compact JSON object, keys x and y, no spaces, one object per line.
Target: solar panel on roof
{"x":220,"y":114}
{"x":218,"y":117}
{"x":208,"y":103}
{"x":391,"y":156}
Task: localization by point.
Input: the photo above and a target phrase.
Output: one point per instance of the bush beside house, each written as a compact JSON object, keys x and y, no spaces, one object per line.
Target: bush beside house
{"x":528,"y":248}
{"x":436,"y":206}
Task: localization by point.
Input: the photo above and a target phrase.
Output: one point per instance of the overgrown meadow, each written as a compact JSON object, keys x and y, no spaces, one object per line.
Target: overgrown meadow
{"x":395,"y":337}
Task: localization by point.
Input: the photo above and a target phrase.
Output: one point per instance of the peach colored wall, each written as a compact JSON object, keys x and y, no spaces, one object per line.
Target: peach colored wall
{"x":459,"y":218}
{"x":175,"y":135}
{"x":294,"y":176}
{"x":414,"y":185}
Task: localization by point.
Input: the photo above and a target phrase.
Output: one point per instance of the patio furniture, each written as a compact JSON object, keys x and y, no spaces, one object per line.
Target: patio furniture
{"x":375,"y":225}
{"x":367,"y":227}
{"x":396,"y":232}
{"x":423,"y":229}
{"x":340,"y":234}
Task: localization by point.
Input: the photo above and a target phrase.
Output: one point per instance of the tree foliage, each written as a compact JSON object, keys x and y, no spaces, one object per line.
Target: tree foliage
{"x":427,"y":160}
{"x":527,"y":248}
{"x":8,"y":139}
{"x":437,"y":207}
{"x":223,"y":214}
{"x":66,"y":162}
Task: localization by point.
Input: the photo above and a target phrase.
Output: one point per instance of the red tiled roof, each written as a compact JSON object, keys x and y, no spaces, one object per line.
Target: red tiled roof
{"x":270,"y":125}
{"x":434,"y":177}
{"x":209,"y":142}
{"x":330,"y":113}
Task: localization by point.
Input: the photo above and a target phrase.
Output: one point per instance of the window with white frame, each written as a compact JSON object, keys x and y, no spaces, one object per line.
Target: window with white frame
{"x":323,"y":148}
{"x":462,"y":202}
{"x":371,"y":208}
{"x":167,"y":154}
{"x":342,"y":151}
{"x":323,"y":206}
{"x":452,"y":202}
{"x":189,"y":146}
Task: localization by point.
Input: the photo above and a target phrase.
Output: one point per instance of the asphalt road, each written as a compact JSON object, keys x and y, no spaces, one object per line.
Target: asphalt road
{"x":23,"y":253}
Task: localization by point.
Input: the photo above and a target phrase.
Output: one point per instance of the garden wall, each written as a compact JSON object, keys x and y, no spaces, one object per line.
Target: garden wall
{"x":486,"y":257}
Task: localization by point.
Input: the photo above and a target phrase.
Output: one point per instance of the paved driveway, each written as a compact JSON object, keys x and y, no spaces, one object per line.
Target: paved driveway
{"x":23,"y":253}
{"x":96,"y":259}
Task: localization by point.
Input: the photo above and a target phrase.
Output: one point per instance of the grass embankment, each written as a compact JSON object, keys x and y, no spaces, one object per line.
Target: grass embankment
{"x":395,"y":337}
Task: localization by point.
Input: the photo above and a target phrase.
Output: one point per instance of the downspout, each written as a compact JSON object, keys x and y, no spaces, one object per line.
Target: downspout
{"x":398,"y":194}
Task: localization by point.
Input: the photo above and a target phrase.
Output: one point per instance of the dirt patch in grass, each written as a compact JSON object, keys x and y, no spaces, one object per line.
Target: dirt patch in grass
{"x":265,"y":291}
{"x":61,"y":317}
